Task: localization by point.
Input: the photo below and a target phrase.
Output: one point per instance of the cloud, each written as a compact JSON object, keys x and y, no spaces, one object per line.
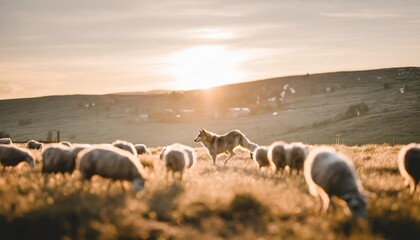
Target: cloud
{"x":9,"y":88}
{"x":362,"y":15}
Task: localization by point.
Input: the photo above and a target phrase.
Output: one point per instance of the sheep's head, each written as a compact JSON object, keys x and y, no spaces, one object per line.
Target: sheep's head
{"x":138,"y":184}
{"x":201,"y":135}
{"x":357,"y":205}
{"x":30,"y":161}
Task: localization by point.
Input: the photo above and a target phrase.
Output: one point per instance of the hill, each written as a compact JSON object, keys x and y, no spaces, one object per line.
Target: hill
{"x":358,"y":107}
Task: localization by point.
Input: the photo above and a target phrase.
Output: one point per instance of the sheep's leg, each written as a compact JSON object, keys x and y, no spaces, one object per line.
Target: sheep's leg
{"x":181,"y":174}
{"x":167,"y":175}
{"x":46,"y":179}
{"x":122,"y":185}
{"x":109,"y":184}
{"x":230,"y":157}
{"x":325,"y":200}
{"x":412,"y":186}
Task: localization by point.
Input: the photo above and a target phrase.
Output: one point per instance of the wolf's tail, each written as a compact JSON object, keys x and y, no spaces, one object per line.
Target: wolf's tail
{"x":246,"y":143}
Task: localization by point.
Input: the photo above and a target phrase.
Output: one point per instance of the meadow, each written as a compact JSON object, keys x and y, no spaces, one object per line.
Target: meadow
{"x":234,"y":201}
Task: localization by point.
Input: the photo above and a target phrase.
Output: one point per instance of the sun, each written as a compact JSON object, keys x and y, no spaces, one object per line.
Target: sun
{"x":204,"y":67}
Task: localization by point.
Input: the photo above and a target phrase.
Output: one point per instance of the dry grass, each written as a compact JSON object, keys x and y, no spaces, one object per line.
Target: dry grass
{"x":224,"y":202}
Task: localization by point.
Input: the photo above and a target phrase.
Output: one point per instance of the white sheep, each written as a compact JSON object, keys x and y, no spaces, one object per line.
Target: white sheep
{"x":295,"y":156}
{"x":277,"y":155}
{"x":409,"y":165}
{"x":178,"y":157}
{"x":141,"y":149}
{"x":12,"y":155}
{"x":328,"y":174}
{"x":32,"y":144}
{"x":58,"y":158}
{"x":260,"y":157}
{"x":124,"y":145}
{"x":113,"y":163}
{"x":6,"y":141}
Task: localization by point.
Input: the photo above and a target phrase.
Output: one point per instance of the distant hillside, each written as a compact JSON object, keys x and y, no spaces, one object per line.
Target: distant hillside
{"x":374,"y":106}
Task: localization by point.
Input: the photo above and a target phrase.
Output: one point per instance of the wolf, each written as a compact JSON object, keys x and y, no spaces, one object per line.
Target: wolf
{"x":217,"y":144}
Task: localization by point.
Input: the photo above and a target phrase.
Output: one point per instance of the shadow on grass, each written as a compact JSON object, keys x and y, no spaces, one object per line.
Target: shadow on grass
{"x":396,"y":227}
{"x":69,"y":216}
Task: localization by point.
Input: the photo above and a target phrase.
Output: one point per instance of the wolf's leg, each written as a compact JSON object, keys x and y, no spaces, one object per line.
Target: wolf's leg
{"x":230,"y":156}
{"x":213,"y":156}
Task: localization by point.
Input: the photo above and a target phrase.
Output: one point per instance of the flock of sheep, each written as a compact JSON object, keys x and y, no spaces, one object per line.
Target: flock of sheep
{"x":327,"y":172}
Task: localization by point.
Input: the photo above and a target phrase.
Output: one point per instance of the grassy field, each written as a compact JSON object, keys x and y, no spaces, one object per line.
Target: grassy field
{"x":224,"y":202}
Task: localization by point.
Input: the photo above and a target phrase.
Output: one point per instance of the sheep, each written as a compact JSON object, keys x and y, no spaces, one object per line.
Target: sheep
{"x":13,"y":155}
{"x":124,"y":145}
{"x":328,"y":173}
{"x":295,"y":156}
{"x":141,"y":149}
{"x":66,"y":143}
{"x":6,"y":141}
{"x":113,"y":163}
{"x":260,"y":157}
{"x":277,"y":155}
{"x":32,"y":144}
{"x":58,"y":158}
{"x":409,"y":165}
{"x":178,"y":157}
{"x":76,"y":148}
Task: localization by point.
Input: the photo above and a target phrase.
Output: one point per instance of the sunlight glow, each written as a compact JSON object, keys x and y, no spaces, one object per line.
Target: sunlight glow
{"x":204,"y":67}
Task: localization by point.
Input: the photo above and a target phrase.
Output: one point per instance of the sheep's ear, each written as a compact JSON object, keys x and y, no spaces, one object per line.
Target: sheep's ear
{"x":201,"y":129}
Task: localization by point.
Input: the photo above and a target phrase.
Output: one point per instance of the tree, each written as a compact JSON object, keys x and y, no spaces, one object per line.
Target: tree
{"x":49,"y":136}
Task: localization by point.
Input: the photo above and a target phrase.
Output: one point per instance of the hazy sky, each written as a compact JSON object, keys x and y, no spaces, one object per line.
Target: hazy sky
{"x":51,"y":47}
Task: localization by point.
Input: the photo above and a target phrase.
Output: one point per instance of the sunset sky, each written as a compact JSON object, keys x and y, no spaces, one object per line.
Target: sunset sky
{"x":55,"y":47}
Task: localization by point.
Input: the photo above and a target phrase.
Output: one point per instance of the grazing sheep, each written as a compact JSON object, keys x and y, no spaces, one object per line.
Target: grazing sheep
{"x":58,"y":158}
{"x":409,"y":165}
{"x":141,"y":149}
{"x":6,"y":141}
{"x":66,"y":143}
{"x":12,"y":156}
{"x":32,"y":144}
{"x":113,"y":163}
{"x":124,"y":145}
{"x":295,"y":156}
{"x":178,"y":157}
{"x":277,"y":155}
{"x":260,"y":157}
{"x":328,"y":174}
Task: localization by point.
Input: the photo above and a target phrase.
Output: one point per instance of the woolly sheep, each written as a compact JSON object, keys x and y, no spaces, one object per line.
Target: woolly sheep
{"x":295,"y":156}
{"x":12,"y":156}
{"x":66,"y":143}
{"x":6,"y":141}
{"x":124,"y":145}
{"x":277,"y":155}
{"x":409,"y":165}
{"x":260,"y":157}
{"x":328,"y":173}
{"x":113,"y":163}
{"x":178,"y":157}
{"x":141,"y":149}
{"x":58,"y":158}
{"x":32,"y":144}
